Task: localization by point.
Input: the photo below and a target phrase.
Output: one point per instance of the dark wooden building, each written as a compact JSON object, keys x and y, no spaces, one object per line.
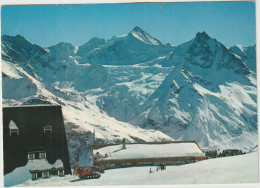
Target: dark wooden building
{"x":34,"y":132}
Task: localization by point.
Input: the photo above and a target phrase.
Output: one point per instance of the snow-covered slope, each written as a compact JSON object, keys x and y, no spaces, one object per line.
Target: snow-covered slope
{"x":134,"y":85}
{"x":141,"y":35}
{"x":63,"y":50}
{"x":93,"y":43}
{"x":80,"y":115}
{"x":208,"y":97}
{"x":22,"y":174}
{"x":248,"y":54}
{"x":17,"y":48}
{"x":235,"y":170}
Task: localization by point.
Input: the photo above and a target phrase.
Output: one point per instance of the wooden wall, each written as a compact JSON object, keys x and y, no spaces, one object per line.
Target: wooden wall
{"x":30,"y":121}
{"x":169,"y":161}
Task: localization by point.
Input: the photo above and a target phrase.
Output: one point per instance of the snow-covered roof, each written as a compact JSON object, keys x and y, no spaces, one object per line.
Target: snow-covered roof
{"x":140,"y":151}
{"x":12,"y":125}
{"x":43,"y":164}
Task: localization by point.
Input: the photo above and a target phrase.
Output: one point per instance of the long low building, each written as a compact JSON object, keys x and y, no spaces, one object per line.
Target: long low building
{"x":146,"y":154}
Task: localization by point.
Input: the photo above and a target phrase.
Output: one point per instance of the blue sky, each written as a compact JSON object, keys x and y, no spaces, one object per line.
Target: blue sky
{"x":229,"y":22}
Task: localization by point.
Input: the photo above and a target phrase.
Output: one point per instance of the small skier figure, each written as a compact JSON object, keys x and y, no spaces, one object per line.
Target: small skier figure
{"x":163,"y":166}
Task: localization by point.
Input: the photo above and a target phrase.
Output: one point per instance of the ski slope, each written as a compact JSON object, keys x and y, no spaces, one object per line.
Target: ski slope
{"x":237,"y":169}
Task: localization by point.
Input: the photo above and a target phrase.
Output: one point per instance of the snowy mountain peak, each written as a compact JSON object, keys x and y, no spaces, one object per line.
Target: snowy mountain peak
{"x":17,"y":39}
{"x":239,"y":50}
{"x":19,"y":48}
{"x":137,"y":30}
{"x":143,"y":36}
{"x":202,"y":36}
{"x":244,"y":51}
{"x":96,"y":40}
{"x":240,"y":46}
{"x":90,"y":45}
{"x":62,"y":45}
{"x":63,"y":50}
{"x":93,"y":42}
{"x":248,"y":54}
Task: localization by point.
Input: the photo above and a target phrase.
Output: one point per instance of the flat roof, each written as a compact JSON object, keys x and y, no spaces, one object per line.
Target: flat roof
{"x":142,"y":151}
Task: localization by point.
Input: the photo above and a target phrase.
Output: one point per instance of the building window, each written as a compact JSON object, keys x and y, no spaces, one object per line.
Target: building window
{"x":45,"y":174}
{"x":14,"y":132}
{"x":31,"y":156}
{"x":34,"y":176}
{"x":42,"y":155}
{"x":13,"y":128}
{"x":61,"y":173}
{"x":47,"y":129}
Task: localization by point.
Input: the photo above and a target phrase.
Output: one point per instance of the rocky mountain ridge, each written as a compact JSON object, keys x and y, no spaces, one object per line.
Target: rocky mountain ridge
{"x":138,"y":88}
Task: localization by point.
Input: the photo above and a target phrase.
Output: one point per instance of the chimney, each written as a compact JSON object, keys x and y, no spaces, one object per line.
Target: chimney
{"x":123,"y":142}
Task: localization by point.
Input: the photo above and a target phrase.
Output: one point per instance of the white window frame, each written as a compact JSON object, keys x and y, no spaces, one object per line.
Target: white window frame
{"x":33,"y":156}
{"x":42,"y":157}
{"x":47,"y":128}
{"x":14,"y":131}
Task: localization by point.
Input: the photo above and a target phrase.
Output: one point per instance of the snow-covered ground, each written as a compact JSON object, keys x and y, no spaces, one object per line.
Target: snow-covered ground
{"x":228,"y":170}
{"x":21,"y":174}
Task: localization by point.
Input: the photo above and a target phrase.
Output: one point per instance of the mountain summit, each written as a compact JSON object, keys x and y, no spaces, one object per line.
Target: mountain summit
{"x":19,"y":48}
{"x":202,"y":36}
{"x":143,"y":36}
{"x":135,"y":47}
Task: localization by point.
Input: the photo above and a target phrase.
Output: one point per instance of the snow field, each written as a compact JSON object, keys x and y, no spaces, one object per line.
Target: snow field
{"x":22,"y":174}
{"x":228,"y":170}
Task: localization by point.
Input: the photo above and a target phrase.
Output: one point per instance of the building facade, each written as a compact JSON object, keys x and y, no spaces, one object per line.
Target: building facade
{"x":35,"y":134}
{"x":147,"y":154}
